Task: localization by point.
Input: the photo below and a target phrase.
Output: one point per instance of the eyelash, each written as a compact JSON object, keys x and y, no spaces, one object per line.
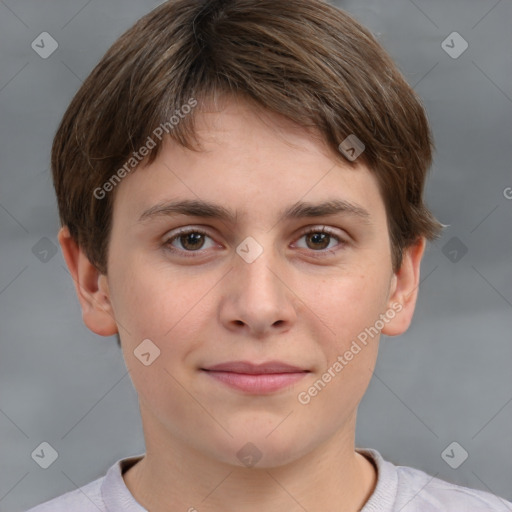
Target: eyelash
{"x":194,"y":254}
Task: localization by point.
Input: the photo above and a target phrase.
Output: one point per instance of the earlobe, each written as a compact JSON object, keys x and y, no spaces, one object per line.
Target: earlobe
{"x":404,"y":289}
{"x":91,"y":287}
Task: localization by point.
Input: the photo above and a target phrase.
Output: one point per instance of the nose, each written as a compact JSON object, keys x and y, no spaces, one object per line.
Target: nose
{"x":257,"y":300}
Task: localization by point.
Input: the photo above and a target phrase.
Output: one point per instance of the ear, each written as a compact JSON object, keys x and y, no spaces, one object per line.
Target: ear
{"x":91,"y":287}
{"x":404,"y":289}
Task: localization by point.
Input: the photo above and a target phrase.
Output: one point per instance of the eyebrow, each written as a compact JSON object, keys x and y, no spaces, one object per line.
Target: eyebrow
{"x":301,"y":209}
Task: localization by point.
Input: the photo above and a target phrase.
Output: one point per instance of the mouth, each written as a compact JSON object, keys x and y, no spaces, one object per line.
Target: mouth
{"x":256,"y":378}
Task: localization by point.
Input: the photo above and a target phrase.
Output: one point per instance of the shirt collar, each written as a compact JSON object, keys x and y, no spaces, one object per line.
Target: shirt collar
{"x":115,"y":494}
{"x":384,"y":495}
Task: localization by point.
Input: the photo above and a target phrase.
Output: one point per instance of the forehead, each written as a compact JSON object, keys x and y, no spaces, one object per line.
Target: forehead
{"x":251,"y":160}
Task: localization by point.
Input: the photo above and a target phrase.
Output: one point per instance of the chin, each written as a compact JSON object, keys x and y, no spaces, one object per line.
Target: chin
{"x":263,"y":448}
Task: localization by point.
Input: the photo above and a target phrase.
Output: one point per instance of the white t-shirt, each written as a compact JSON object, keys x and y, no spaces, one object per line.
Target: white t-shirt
{"x":399,"y":488}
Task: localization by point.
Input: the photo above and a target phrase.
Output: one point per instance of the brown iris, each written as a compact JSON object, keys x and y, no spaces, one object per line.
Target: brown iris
{"x":318,"y":238}
{"x":192,"y":241}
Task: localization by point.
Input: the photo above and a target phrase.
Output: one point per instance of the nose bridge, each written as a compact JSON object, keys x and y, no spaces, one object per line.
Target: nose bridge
{"x":258,"y":297}
{"x":257,"y":270}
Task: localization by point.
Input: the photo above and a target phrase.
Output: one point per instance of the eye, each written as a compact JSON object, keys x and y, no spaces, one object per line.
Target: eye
{"x":188,"y":240}
{"x":319,"y":239}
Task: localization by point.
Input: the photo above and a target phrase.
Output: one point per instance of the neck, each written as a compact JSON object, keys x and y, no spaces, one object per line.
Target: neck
{"x":173,"y":476}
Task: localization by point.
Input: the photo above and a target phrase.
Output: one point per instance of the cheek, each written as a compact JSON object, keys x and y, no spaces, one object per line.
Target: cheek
{"x":166,"y":310}
{"x":350,"y":304}
{"x":153,"y":300}
{"x":170,"y":308}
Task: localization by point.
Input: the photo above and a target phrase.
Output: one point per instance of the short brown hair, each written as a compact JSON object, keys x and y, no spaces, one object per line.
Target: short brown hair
{"x":304,"y":59}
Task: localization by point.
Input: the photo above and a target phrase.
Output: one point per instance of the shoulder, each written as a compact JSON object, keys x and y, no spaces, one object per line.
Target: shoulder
{"x":418,"y":490}
{"x":103,"y":494}
{"x":86,"y":499}
{"x":412,"y":490}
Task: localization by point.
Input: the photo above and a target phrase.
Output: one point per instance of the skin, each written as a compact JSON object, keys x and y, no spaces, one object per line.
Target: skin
{"x":303,"y":301}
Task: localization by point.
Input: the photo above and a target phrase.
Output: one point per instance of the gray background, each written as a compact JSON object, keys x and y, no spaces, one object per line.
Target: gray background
{"x":447,"y":379}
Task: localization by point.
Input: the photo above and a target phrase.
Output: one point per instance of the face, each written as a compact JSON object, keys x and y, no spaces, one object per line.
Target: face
{"x":283,"y":258}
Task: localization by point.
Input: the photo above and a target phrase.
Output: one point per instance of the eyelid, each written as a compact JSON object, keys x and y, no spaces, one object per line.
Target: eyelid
{"x":320,"y":228}
{"x":185,"y":230}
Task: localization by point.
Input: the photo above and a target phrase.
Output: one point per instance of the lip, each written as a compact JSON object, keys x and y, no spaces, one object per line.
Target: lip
{"x":256,"y":378}
{"x":255,"y":369}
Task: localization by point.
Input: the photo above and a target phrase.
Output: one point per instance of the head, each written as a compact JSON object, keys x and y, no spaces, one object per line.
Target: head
{"x":236,"y":110}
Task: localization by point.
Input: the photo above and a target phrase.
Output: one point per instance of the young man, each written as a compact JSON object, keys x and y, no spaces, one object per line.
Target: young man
{"x":240,"y":187}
